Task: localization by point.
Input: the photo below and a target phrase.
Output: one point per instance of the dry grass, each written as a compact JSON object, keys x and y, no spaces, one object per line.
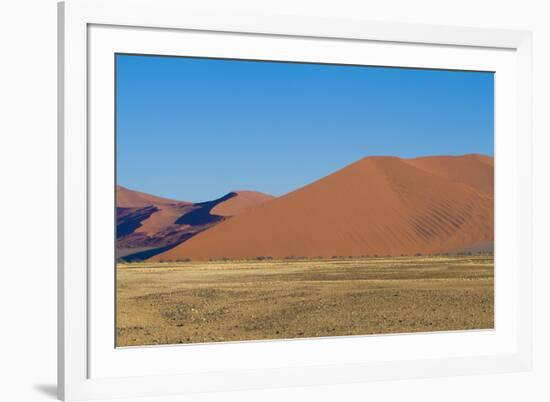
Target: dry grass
{"x":189,"y":302}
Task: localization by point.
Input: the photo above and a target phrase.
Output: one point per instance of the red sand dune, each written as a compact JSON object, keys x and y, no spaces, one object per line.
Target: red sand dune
{"x":167,"y":210}
{"x":240,"y":203}
{"x":147,"y":222}
{"x":376,"y":206}
{"x":473,"y":170}
{"x":126,"y":198}
{"x":165,"y":216}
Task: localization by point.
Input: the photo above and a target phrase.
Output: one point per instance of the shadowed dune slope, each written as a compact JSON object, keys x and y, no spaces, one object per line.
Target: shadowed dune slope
{"x":376,"y":206}
{"x":163,"y":211}
{"x":148,"y":224}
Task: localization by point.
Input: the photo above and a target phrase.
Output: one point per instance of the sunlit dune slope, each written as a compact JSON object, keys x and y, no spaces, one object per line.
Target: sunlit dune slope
{"x":242,"y":201}
{"x":126,"y":198}
{"x":473,"y":170}
{"x":376,"y":206}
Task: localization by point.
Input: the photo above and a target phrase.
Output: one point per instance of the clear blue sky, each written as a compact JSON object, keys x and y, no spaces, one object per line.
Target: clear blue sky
{"x":195,"y":129}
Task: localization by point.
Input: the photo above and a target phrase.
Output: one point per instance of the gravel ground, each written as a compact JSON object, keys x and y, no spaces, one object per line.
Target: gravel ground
{"x":220,"y":301}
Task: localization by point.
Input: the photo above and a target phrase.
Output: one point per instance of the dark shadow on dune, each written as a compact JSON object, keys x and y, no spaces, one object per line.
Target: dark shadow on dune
{"x":201,"y":215}
{"x":129,"y":219}
{"x":197,"y":220}
{"x":49,"y":390}
{"x":143,"y":255}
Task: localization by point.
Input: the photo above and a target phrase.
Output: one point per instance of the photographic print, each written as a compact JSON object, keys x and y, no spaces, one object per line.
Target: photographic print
{"x":264,"y":200}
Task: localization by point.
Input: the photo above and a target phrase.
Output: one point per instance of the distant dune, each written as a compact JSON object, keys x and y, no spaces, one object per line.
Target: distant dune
{"x":240,"y":203}
{"x":376,"y":206}
{"x":126,"y":198}
{"x":148,"y":225}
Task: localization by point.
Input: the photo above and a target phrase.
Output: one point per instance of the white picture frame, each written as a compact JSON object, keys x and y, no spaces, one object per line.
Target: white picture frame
{"x":90,"y":31}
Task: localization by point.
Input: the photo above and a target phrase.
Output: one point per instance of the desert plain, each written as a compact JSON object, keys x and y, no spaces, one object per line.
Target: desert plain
{"x":238,"y":300}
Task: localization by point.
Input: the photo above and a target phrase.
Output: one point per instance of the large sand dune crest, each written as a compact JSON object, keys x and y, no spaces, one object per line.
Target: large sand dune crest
{"x":376,"y":206}
{"x":473,"y":169}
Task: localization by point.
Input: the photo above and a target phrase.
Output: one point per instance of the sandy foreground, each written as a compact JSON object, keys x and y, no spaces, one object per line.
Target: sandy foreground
{"x":220,"y":301}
